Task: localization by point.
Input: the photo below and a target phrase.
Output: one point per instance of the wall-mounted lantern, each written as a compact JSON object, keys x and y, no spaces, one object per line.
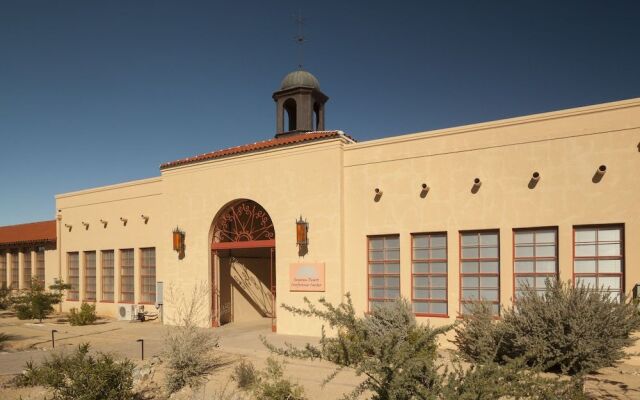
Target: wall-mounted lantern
{"x":302,"y":229}
{"x":178,"y":241}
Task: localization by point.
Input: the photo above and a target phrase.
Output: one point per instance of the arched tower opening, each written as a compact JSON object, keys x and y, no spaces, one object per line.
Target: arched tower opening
{"x":291,"y":111}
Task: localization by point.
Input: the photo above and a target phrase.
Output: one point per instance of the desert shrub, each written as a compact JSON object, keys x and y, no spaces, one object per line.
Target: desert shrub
{"x":86,"y":315}
{"x":512,"y":380}
{"x":270,"y":384}
{"x":245,"y":374}
{"x":35,"y":302}
{"x":82,"y":376}
{"x":566,"y":329}
{"x":396,"y":355}
{"x":478,"y":336}
{"x":189,"y":350}
{"x":5,"y":298}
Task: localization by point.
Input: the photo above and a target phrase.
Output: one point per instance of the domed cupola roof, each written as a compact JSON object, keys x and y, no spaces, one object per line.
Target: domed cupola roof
{"x":299,"y":78}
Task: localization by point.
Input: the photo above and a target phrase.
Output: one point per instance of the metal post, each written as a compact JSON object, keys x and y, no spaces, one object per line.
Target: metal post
{"x":53,"y":339}
{"x":141,"y":348}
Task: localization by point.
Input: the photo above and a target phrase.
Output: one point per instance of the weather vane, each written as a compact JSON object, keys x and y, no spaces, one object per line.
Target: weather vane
{"x":299,"y":38}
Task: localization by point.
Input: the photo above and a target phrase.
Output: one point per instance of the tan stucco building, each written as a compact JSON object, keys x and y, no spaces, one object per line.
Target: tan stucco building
{"x":440,"y":218}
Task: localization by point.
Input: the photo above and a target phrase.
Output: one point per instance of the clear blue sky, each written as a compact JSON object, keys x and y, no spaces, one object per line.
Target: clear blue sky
{"x":100,"y":92}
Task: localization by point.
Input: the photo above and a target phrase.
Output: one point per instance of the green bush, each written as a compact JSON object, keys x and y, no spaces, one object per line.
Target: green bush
{"x":478,"y":337}
{"x":570,"y":330}
{"x":270,"y":384}
{"x":35,"y":302}
{"x":86,"y":315}
{"x":5,"y":298}
{"x":82,"y":376}
{"x":245,"y":374}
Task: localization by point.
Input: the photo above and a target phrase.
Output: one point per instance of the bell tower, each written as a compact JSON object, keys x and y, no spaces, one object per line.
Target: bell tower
{"x":299,"y":104}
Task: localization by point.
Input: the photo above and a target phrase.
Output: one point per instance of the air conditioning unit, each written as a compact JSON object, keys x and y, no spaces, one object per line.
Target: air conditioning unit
{"x":127,"y":312}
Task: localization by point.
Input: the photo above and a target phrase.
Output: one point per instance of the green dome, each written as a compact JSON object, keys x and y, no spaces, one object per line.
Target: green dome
{"x":299,"y":78}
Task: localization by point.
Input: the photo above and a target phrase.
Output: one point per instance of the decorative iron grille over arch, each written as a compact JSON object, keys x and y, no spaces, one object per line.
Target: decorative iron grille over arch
{"x":245,"y":221}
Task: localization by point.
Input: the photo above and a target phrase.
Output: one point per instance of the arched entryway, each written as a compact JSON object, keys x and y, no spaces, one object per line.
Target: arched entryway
{"x":243,"y":264}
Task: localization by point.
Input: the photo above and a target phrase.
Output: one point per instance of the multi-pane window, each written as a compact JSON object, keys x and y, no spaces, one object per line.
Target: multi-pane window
{"x":535,"y":258}
{"x":598,"y":258}
{"x":26,"y":268}
{"x":148,"y":275}
{"x":90,"y":275}
{"x":429,"y":274}
{"x":3,"y":270}
{"x":40,"y":266}
{"x":384,"y":269}
{"x":73,"y":275}
{"x":127,"y":286}
{"x":15,"y":271}
{"x":108,"y":282}
{"x":479,"y":269}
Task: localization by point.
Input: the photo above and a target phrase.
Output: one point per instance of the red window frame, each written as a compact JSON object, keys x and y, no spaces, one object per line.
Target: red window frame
{"x":14,"y":271}
{"x":27,"y":268}
{"x":40,"y":267}
{"x":597,"y":258}
{"x":127,"y":274}
{"x":107,"y":289}
{"x":535,"y":274}
{"x":384,"y":261}
{"x":148,"y":275}
{"x":430,"y":274}
{"x":73,"y":294}
{"x":3,"y":270}
{"x":90,"y":295}
{"x":478,"y":274}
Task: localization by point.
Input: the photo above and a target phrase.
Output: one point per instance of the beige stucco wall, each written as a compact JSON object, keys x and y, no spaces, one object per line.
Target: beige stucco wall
{"x":331,"y":183}
{"x":566,"y":148}
{"x":129,"y":200}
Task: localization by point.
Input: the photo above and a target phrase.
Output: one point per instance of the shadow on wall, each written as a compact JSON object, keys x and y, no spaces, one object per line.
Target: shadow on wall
{"x":254,"y":290}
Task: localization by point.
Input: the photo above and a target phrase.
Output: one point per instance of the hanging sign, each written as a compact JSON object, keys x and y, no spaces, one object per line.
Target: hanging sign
{"x":306,"y":277}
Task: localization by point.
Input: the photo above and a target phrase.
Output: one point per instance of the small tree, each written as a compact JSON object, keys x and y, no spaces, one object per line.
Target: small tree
{"x":86,"y":315}
{"x":396,"y":355}
{"x":35,"y":302}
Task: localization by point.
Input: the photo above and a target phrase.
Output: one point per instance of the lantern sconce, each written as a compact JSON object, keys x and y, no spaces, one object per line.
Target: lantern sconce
{"x":178,"y":242}
{"x":104,"y":223}
{"x":302,"y":229}
{"x":378,"y":194}
{"x":145,"y":218}
{"x":86,"y":225}
{"x":69,"y":227}
{"x":424,"y":189}
{"x":476,"y":185}
{"x":597,"y":177}
{"x":124,"y":221}
{"x":535,"y":177}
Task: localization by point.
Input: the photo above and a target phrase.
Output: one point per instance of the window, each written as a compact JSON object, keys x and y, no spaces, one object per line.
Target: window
{"x":73,"y":275}
{"x":108,"y":282}
{"x":3,"y":270}
{"x":429,"y":274}
{"x":535,"y":258}
{"x":479,"y":269}
{"x":384,"y":269}
{"x":90,"y":275}
{"x":26,"y":269}
{"x":40,"y":266}
{"x":148,"y":275}
{"x":15,"y":272}
{"x":127,"y":286}
{"x":598,"y":258}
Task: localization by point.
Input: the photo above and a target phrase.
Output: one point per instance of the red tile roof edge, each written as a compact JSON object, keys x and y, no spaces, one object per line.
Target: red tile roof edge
{"x":30,"y":233}
{"x":265,"y":144}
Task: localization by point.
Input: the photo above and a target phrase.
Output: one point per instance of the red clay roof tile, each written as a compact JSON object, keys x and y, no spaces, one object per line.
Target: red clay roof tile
{"x":266,"y":144}
{"x":35,"y":232}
